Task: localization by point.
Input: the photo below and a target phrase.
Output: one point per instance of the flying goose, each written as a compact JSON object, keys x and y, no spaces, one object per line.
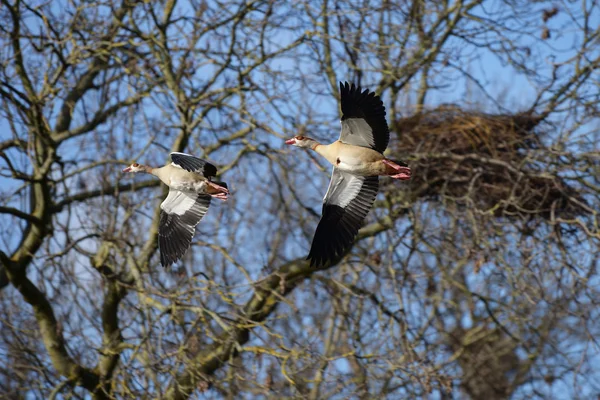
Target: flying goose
{"x":357,"y":158}
{"x":190,"y":192}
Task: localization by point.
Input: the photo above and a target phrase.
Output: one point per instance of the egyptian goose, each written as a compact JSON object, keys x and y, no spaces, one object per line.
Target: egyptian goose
{"x":357,"y":158}
{"x":190,"y":192}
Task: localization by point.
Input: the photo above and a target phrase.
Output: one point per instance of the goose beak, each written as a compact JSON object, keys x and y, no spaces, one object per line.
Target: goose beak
{"x":128,"y":169}
{"x":290,"y":141}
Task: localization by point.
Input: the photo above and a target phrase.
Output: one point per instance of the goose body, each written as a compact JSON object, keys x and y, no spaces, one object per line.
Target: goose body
{"x":358,"y":161}
{"x":177,"y":178}
{"x":354,"y":159}
{"x":190,"y":194}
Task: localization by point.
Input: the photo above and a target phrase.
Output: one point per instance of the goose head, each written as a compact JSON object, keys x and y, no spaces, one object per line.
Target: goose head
{"x":135,"y":167}
{"x":302,"y":141}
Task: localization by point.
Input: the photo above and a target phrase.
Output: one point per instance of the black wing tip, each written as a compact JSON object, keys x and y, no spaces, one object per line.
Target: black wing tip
{"x":316,"y":262}
{"x":360,"y":103}
{"x":337,"y":230}
{"x":368,"y":105}
{"x":175,"y":235}
{"x":351,"y":88}
{"x":348,"y":88}
{"x":209,"y":170}
{"x":313,"y":261}
{"x":327,"y":252}
{"x":167,"y":256}
{"x":167,"y":259}
{"x":166,"y":264}
{"x":323,"y":259}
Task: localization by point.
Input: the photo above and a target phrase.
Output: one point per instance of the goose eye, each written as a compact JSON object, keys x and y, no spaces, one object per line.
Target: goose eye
{"x":300,"y":137}
{"x":136,"y":164}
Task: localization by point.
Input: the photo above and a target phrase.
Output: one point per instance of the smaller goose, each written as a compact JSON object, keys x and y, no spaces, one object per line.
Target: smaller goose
{"x":190,"y":192}
{"x":357,"y":159}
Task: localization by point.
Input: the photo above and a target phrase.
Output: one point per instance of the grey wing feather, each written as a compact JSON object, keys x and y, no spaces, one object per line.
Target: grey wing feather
{"x":363,"y":118}
{"x":343,"y":187}
{"x":345,"y":206}
{"x":181,"y":212}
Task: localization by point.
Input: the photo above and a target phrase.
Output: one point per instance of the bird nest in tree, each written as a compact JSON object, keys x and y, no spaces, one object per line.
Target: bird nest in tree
{"x":490,"y":366}
{"x":485,"y":162}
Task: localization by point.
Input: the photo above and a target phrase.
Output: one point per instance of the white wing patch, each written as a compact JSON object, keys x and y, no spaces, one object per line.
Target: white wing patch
{"x":178,"y":202}
{"x":343,"y":188}
{"x":349,"y":192}
{"x":333,"y":184}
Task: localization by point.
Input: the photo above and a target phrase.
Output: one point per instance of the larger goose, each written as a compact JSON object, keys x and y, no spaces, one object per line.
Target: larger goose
{"x":190,"y":193}
{"x":357,"y":158}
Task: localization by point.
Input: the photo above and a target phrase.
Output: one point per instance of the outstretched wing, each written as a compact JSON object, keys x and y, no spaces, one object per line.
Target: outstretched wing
{"x":363,"y":118}
{"x":181,"y":212}
{"x":345,"y":206}
{"x":193,"y":164}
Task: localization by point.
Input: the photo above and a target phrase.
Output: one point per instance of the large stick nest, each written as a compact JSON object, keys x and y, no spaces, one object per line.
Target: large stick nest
{"x":491,"y":368}
{"x":489,"y":162}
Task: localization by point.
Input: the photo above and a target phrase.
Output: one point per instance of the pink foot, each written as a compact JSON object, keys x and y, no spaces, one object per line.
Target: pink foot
{"x":402,"y":173}
{"x":220,"y":196}
{"x":401,"y":176}
{"x":218,"y":187}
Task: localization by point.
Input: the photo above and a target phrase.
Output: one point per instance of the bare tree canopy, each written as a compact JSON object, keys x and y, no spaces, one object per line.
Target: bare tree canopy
{"x":476,"y":279}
